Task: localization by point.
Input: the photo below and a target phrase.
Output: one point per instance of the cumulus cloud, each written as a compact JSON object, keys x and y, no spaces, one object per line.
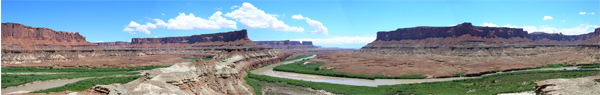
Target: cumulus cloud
{"x":582,"y":13}
{"x":184,"y":22}
{"x":134,"y":26}
{"x":99,"y":41}
{"x":253,"y":17}
{"x":318,"y":26}
{"x":548,"y":18}
{"x":189,"y":22}
{"x":592,"y":13}
{"x":339,"y":40}
{"x":235,"y":6}
{"x":163,"y":14}
{"x":489,"y":24}
{"x":581,"y":29}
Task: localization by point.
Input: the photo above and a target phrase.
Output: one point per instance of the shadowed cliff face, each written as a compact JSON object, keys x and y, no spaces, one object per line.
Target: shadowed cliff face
{"x":19,"y":36}
{"x":417,"y":33}
{"x":218,"y":37}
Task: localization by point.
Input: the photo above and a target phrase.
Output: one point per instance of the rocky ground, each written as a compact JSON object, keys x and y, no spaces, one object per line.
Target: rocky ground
{"x":578,"y":86}
{"x":281,"y":89}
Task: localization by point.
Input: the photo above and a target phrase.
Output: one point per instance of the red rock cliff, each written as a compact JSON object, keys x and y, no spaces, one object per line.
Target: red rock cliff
{"x":466,"y":35}
{"x":423,"y":32}
{"x":19,"y":36}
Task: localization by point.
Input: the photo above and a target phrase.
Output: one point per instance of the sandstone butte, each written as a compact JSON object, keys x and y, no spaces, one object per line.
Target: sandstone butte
{"x":19,"y":36}
{"x":464,"y":48}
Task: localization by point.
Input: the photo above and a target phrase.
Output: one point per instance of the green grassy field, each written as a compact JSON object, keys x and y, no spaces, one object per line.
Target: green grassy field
{"x":13,"y":80}
{"x":315,"y":67}
{"x":88,"y":83}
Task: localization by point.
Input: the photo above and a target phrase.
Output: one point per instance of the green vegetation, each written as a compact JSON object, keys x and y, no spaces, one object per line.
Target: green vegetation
{"x":87,"y":83}
{"x":314,"y":67}
{"x":255,"y":84}
{"x":493,"y":84}
{"x":13,"y":80}
{"x":486,"y":85}
{"x":458,"y":74}
{"x":591,"y":66}
{"x":550,"y":66}
{"x":78,"y":69}
{"x":192,"y":59}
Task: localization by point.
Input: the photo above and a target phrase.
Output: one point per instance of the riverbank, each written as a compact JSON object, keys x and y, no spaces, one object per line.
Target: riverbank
{"x":513,"y":81}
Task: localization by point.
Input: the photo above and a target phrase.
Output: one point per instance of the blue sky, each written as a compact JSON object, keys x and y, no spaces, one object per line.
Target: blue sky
{"x":347,"y":24}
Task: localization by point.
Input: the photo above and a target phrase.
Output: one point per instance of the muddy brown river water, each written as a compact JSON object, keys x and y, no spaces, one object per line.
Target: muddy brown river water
{"x":268,"y":70}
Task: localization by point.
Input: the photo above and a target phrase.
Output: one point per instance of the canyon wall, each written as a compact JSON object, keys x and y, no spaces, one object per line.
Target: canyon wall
{"x":286,"y":44}
{"x":217,"y":37}
{"x":19,"y":36}
{"x":468,"y":36}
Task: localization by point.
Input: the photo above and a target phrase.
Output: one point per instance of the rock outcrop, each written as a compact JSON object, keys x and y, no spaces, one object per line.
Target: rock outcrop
{"x":580,"y":86}
{"x":468,"y":36}
{"x":222,"y":75}
{"x":19,"y":36}
{"x":218,"y":37}
{"x":286,"y":44}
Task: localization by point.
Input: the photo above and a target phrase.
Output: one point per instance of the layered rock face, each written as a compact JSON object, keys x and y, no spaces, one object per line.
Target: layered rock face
{"x":472,"y":50}
{"x":19,"y":36}
{"x":222,"y":75}
{"x":286,"y":44}
{"x":218,"y":37}
{"x":467,"y":35}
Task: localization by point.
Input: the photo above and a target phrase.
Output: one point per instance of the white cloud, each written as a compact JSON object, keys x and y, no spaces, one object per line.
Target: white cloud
{"x":253,"y":17}
{"x":184,"y":22}
{"x":139,"y":27}
{"x":234,"y":6}
{"x":581,"y":29}
{"x":564,"y":21}
{"x":582,"y":13}
{"x":548,"y":18}
{"x":219,"y":8}
{"x":99,"y":41}
{"x":592,"y":13}
{"x":163,"y":14}
{"x":339,"y":40}
{"x":189,"y":22}
{"x":489,"y":24}
{"x":318,"y":26}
